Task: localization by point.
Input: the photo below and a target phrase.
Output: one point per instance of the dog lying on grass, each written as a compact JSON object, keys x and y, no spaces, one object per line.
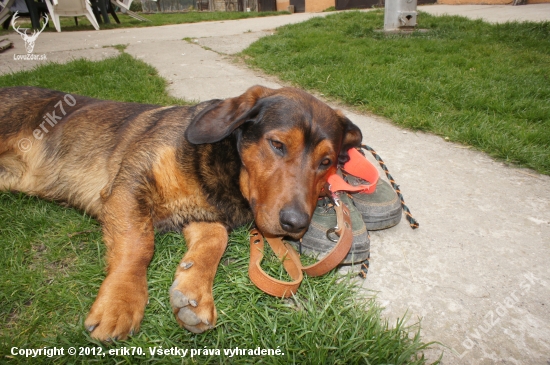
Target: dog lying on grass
{"x":201,"y":170}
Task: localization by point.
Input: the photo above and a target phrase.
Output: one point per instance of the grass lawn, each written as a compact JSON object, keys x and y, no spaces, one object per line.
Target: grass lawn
{"x":479,"y":84}
{"x":68,"y":23}
{"x":52,"y":267}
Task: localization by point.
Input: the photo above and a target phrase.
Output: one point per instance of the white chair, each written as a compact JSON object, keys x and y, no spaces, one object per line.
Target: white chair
{"x":71,"y":8}
{"x":5,"y":12}
{"x":124,"y":6}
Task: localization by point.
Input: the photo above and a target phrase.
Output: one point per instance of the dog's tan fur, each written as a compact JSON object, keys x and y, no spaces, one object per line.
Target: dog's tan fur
{"x":202,"y":170}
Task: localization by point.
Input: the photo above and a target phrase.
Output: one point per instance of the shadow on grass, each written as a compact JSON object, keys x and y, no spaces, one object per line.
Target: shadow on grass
{"x":68,"y":24}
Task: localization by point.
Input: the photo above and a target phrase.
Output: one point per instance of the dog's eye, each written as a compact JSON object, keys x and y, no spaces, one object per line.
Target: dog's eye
{"x":279,"y":147}
{"x":326,"y":163}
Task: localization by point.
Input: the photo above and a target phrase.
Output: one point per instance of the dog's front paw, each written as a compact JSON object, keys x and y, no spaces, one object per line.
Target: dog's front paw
{"x":191,"y":299}
{"x":118,"y":309}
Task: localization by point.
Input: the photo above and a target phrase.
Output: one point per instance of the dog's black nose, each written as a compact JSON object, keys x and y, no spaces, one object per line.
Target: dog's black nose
{"x":293,"y":220}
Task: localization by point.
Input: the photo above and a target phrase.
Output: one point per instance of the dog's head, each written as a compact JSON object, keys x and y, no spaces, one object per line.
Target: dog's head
{"x":289,"y":143}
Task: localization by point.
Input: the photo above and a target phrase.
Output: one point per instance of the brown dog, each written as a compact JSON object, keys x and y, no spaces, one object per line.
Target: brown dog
{"x":205,"y":169}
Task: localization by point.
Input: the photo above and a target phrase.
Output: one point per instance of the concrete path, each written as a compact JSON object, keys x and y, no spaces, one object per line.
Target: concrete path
{"x":493,"y":13}
{"x":476,"y":271}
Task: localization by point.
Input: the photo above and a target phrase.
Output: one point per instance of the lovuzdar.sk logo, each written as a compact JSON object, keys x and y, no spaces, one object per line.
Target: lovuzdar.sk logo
{"x":29,"y":40}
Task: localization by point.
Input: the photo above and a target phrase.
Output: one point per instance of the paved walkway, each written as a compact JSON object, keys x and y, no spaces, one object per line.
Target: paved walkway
{"x":494,"y":13}
{"x":476,"y":271}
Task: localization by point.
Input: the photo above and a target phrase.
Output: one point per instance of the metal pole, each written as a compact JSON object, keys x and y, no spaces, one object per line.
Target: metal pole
{"x":399,"y":15}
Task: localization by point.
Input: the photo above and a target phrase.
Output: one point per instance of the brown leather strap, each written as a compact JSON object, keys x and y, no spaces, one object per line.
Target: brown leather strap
{"x":291,"y":259}
{"x":261,"y":279}
{"x":342,"y":247}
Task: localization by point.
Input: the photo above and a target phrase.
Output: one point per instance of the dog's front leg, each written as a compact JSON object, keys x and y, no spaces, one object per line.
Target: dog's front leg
{"x":129,"y":236}
{"x":191,"y":293}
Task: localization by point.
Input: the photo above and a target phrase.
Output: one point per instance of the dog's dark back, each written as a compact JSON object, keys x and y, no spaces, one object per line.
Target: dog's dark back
{"x":68,"y":147}
{"x":182,"y":163}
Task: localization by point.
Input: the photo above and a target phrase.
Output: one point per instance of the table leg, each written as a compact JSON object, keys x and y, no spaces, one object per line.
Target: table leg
{"x":33,"y":11}
{"x":103,"y":7}
{"x":111,"y":9}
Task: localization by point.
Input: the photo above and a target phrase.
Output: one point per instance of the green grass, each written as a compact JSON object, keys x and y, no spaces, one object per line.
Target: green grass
{"x":121,"y":78}
{"x":483,"y":85}
{"x":52,"y":266}
{"x":68,"y":23}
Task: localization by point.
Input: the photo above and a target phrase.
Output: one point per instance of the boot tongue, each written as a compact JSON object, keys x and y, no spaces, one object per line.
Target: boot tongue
{"x":357,"y":166}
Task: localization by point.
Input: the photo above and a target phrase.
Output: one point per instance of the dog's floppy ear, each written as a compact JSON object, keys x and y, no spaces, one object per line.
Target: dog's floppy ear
{"x":352,"y":138}
{"x":215,"y":123}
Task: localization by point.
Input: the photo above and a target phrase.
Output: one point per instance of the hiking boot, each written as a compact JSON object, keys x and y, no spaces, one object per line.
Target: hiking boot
{"x":319,"y":241}
{"x":381,"y":209}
